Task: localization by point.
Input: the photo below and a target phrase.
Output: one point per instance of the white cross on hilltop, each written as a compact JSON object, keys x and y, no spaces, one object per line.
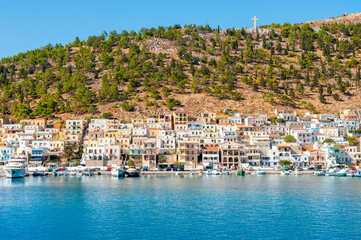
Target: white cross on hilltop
{"x":255,"y":22}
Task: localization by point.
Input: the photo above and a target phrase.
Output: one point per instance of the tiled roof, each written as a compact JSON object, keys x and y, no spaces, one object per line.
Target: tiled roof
{"x":210,"y":149}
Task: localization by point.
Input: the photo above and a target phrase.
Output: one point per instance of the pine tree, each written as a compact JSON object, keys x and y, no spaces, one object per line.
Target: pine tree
{"x":104,"y":91}
{"x":113,"y":92}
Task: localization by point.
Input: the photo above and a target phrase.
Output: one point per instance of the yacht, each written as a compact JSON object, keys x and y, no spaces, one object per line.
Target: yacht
{"x":332,"y":172}
{"x":350,"y":173}
{"x":342,"y":172}
{"x":118,"y":172}
{"x":15,"y":168}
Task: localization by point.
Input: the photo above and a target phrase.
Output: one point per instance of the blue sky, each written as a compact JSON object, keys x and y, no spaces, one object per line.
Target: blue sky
{"x":27,"y":24}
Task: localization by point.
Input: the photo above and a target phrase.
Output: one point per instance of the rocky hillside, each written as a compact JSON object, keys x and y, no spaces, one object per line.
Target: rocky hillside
{"x":308,"y":67}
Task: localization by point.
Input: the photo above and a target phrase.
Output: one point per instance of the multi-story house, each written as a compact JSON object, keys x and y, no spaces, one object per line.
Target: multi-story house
{"x":210,"y":157}
{"x":149,"y":154}
{"x":233,"y":155}
{"x":188,"y":152}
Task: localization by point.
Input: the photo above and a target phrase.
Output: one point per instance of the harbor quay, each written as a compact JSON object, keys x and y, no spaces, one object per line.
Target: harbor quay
{"x":178,"y":142}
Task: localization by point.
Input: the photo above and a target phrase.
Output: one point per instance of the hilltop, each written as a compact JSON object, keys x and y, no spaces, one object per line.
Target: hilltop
{"x":307,"y":67}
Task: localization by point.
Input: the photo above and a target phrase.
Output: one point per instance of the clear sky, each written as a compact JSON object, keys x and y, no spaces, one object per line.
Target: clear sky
{"x":29,"y":24}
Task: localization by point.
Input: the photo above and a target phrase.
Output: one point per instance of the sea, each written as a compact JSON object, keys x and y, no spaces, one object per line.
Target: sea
{"x":181,"y":207}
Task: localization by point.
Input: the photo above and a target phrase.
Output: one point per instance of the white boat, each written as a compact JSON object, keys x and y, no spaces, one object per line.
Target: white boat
{"x":258,"y":172}
{"x":297,"y":173}
{"x":15,"y":168}
{"x":285,"y":173}
{"x":358,"y":173}
{"x":118,"y":172}
{"x":350,"y":173}
{"x":79,"y":171}
{"x":342,"y":172}
{"x":320,"y":173}
{"x":332,"y":172}
{"x":215,"y":172}
{"x":178,"y":173}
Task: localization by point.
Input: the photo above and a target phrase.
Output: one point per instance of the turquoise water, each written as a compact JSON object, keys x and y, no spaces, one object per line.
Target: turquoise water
{"x":181,"y":207}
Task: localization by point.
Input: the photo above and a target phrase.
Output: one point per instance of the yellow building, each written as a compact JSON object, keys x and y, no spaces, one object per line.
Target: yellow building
{"x":180,"y":117}
{"x":111,"y":134}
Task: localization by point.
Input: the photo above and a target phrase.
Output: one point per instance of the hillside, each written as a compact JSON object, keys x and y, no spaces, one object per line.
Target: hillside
{"x":308,"y":67}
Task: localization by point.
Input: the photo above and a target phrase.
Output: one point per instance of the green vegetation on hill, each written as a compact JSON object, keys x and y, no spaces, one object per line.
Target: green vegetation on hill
{"x":151,"y":66}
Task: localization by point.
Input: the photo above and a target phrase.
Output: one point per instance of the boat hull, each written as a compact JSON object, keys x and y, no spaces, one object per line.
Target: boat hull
{"x":14,"y":173}
{"x":118,"y":173}
{"x":341,"y":174}
{"x":330,"y":174}
{"x":135,"y":173}
{"x":240,"y":173}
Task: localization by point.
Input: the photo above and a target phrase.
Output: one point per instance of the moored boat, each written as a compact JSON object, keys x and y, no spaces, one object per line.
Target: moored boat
{"x":286,"y":173}
{"x":133,"y":172}
{"x":332,"y":172}
{"x":241,"y":173}
{"x":342,"y":172}
{"x":259,"y":172}
{"x":79,"y":171}
{"x":297,"y":173}
{"x":350,"y":173}
{"x":118,"y":172}
{"x":320,"y":173}
{"x":15,"y":168}
{"x":38,"y":174}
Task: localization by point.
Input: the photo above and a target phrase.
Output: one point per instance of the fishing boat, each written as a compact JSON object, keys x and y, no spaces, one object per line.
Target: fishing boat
{"x":133,"y":172}
{"x":15,"y":168}
{"x":38,"y":174}
{"x":191,"y":173}
{"x":118,"y":172}
{"x":358,"y":173}
{"x":241,"y":173}
{"x":216,"y":172}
